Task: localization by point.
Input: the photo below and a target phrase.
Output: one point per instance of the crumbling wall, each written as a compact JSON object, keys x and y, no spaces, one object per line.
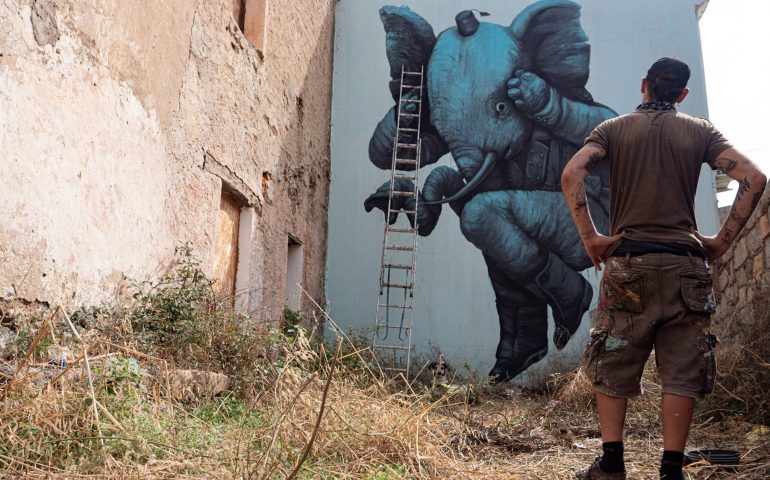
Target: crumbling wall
{"x":742,"y":276}
{"x":742,"y":320}
{"x":120,"y":120}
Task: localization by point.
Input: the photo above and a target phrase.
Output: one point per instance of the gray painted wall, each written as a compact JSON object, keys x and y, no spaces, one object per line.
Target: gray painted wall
{"x":455,"y":309}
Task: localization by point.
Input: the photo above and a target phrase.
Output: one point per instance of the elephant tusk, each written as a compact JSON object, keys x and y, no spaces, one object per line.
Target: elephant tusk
{"x":481,"y":175}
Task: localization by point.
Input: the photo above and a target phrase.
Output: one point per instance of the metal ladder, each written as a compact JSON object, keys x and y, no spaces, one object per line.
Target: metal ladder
{"x":392,"y":342}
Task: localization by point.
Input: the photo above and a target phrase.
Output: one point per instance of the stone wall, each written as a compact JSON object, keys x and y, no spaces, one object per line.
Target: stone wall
{"x":742,"y":285}
{"x":122,"y":121}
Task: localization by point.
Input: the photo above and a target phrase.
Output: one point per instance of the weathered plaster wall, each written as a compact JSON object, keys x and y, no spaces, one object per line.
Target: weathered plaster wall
{"x":109,"y":111}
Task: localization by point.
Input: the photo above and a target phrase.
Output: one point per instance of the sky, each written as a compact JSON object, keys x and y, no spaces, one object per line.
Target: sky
{"x":735,"y":36}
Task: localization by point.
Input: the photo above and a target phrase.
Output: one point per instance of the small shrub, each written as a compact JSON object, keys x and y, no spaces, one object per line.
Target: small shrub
{"x":180,"y":317}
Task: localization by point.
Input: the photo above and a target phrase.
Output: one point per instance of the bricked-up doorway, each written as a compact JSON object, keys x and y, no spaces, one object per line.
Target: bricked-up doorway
{"x":250,"y":16}
{"x":294,"y":262}
{"x":226,"y":245}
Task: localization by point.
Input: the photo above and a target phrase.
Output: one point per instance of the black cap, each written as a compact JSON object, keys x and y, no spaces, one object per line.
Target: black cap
{"x":677,"y":73}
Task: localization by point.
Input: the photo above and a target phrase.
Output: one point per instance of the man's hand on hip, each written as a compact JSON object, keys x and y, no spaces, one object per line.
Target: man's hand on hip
{"x":715,"y":246}
{"x":597,"y":245}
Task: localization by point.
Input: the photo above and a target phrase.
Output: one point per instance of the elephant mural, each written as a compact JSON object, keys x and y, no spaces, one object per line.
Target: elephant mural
{"x":510,"y":105}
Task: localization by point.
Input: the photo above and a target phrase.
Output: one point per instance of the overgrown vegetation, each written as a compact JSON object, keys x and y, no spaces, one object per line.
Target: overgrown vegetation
{"x":294,"y":408}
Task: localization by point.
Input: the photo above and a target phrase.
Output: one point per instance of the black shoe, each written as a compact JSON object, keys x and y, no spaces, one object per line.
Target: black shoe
{"x":595,"y":472}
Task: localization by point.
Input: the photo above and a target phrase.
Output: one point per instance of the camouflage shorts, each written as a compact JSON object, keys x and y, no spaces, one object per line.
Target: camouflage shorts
{"x":659,"y":301}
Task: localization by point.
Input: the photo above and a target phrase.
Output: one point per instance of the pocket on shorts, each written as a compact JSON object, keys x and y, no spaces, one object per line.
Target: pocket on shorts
{"x":624,"y":291}
{"x":698,"y":292}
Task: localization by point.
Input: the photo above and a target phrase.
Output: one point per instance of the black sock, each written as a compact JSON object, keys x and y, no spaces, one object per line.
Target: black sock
{"x":671,"y":465}
{"x":612,"y":460}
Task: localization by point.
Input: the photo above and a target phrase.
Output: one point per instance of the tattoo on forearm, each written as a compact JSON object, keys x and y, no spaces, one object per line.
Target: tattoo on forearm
{"x":755,"y":200}
{"x":727,"y":235}
{"x":743,"y":187}
{"x":581,"y":203}
{"x":587,"y":234}
{"x":740,"y":221}
{"x":731,"y":164}
{"x":593,"y":160}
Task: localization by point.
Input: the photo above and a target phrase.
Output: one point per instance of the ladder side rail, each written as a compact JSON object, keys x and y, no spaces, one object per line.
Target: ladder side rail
{"x":415,"y":226}
{"x":393,"y":166}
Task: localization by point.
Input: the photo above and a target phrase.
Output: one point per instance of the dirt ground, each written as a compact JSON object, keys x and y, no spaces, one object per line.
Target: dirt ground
{"x":553,"y":436}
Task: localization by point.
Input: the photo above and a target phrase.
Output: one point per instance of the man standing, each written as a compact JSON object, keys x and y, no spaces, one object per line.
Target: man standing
{"x":656,"y":289}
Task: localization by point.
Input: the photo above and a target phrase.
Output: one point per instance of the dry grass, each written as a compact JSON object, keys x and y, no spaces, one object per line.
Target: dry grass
{"x":119,"y":423}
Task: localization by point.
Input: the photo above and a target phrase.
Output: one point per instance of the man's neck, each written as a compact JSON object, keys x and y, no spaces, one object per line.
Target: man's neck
{"x":654,"y":104}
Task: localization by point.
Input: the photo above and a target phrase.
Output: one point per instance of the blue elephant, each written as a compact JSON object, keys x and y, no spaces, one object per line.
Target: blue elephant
{"x":510,"y":105}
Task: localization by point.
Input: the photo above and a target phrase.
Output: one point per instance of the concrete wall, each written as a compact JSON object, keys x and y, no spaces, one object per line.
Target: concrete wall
{"x":455,"y":305}
{"x":118,"y":122}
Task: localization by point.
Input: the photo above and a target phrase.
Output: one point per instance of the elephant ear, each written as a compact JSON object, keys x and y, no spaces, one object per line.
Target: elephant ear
{"x":551,"y":34}
{"x":409,"y":41}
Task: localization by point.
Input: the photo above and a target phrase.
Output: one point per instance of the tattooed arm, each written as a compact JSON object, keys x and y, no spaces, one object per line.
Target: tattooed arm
{"x":578,"y":168}
{"x":751,"y":184}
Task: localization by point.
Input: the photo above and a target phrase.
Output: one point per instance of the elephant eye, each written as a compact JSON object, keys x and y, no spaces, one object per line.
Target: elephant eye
{"x":499,"y":107}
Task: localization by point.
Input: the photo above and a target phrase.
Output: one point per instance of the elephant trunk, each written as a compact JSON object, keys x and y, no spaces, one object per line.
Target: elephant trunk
{"x":442,"y":181}
{"x":486,"y":168}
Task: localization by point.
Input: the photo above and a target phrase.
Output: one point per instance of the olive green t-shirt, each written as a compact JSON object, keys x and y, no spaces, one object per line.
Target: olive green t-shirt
{"x":655,"y":159}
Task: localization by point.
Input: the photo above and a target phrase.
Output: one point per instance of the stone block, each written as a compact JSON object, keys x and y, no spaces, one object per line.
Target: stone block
{"x":741,"y":297}
{"x":759,"y":266}
{"x":764,"y":226}
{"x":753,"y":241}
{"x":740,"y":277}
{"x":727,"y":256}
{"x":7,"y":339}
{"x":724,"y":281}
{"x":741,"y":252}
{"x":767,"y":253}
{"x":195,"y":384}
{"x":730,"y":294}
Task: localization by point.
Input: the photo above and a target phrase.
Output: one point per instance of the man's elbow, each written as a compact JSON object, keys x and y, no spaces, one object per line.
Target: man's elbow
{"x":761,"y":178}
{"x":757,"y":177}
{"x":572,"y":174}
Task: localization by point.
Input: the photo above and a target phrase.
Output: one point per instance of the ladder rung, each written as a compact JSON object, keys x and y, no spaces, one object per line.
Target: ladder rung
{"x":411,"y":100}
{"x":398,"y":266}
{"x":406,"y":160}
{"x":403,"y":194}
{"x":402,"y":266}
{"x":405,"y":129}
{"x":409,"y":114}
{"x":390,"y":327}
{"x":404,"y":177}
{"x":411,"y":86}
{"x":411,"y":73}
{"x":408,"y":212}
{"x":393,"y":347}
{"x":406,"y":145}
{"x":393,"y":305}
{"x":399,"y":285}
{"x":400,"y":230}
{"x":404,"y":248}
